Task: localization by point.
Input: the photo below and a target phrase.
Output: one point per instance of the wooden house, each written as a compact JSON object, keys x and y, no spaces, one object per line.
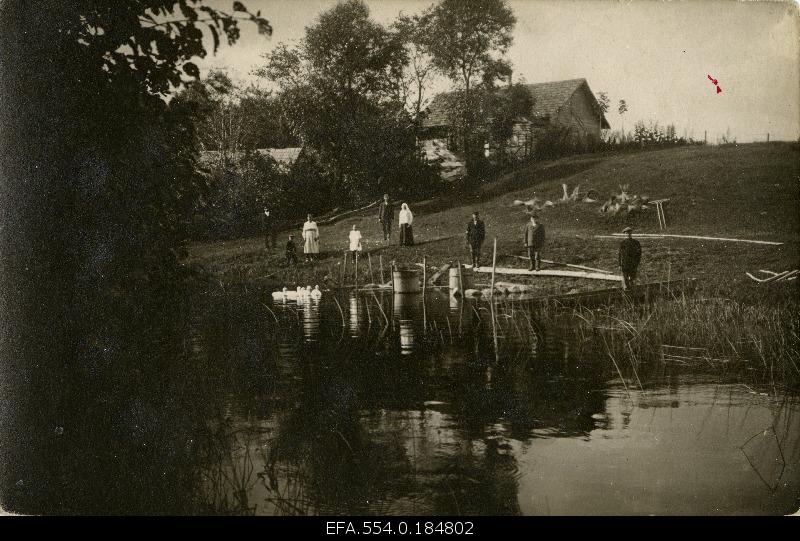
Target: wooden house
{"x":569,"y":104}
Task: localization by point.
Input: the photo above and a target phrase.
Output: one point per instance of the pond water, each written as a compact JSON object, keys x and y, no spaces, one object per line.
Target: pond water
{"x":373,"y":403}
{"x":385,"y":405}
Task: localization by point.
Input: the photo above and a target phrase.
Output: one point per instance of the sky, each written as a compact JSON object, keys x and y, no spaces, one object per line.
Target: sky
{"x":655,"y":55}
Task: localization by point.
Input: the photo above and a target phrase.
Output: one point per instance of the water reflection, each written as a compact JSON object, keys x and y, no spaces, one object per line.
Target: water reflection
{"x":247,"y":408}
{"x":404,"y":312}
{"x":310,"y":310}
{"x":355,"y":321}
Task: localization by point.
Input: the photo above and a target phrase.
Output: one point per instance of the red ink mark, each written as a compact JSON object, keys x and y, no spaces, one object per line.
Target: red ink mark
{"x":716,"y":83}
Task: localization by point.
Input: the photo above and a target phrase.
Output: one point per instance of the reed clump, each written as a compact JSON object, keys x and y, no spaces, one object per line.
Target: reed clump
{"x":731,"y":336}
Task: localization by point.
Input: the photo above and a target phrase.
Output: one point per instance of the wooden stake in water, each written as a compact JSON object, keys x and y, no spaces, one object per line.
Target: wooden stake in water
{"x":424,"y":273}
{"x":371,"y":276}
{"x":380,"y":261}
{"x":460,"y":280}
{"x":356,"y":273}
{"x":494,"y":263}
{"x":344,"y":269}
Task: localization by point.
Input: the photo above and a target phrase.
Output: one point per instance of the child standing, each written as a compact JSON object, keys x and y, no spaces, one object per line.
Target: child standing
{"x":291,"y":251}
{"x":355,"y":241}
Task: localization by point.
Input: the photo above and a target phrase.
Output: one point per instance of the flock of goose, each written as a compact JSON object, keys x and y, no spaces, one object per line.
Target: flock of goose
{"x":300,"y":294}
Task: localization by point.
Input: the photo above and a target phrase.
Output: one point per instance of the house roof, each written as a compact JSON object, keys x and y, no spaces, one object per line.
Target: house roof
{"x":548,"y":98}
{"x":283,"y":156}
{"x":436,"y":113}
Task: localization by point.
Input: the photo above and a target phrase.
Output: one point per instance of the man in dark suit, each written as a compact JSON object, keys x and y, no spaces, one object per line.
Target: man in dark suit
{"x":534,"y":241}
{"x":476,"y":232}
{"x":386,"y":216}
{"x":630,"y":253}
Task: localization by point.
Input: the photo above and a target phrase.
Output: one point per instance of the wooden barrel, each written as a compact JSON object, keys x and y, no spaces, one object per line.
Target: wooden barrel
{"x":406,"y":281}
{"x":455,"y":280}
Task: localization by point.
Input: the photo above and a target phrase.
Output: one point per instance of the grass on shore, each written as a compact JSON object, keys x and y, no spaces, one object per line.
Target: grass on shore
{"x":744,"y":191}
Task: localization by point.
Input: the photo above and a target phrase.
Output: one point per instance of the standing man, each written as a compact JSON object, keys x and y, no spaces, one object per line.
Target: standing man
{"x":630,"y":253}
{"x":534,"y":241}
{"x":269,"y":234}
{"x":386,"y":215}
{"x":476,"y":232}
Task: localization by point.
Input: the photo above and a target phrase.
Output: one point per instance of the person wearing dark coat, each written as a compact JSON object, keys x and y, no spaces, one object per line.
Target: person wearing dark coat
{"x":534,"y":241}
{"x":386,"y":216}
{"x":291,"y":251}
{"x":476,"y":232}
{"x":630,"y":253}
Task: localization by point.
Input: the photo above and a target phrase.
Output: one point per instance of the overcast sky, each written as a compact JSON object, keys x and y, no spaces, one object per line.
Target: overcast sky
{"x":654,"y":55}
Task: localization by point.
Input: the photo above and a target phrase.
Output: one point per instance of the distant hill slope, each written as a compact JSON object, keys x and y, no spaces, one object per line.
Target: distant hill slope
{"x":746,"y":191}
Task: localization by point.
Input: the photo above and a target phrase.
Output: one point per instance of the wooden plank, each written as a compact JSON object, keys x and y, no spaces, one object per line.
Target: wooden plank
{"x":565,"y":265}
{"x":723,"y":239}
{"x":557,"y":273}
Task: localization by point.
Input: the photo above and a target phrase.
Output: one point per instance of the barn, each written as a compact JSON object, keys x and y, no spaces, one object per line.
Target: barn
{"x":569,"y":105}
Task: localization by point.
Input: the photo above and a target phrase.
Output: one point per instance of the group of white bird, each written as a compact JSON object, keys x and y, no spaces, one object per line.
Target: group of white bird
{"x":300,"y":294}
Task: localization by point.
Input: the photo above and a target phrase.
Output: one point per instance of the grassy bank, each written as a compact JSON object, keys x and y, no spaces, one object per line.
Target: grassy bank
{"x":744,"y":191}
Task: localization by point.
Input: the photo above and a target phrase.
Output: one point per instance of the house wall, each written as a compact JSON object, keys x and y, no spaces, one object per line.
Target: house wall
{"x":580,"y":115}
{"x":519,"y":145}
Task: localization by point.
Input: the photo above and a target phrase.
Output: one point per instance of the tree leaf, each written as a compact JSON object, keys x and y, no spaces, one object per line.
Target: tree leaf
{"x":238,"y":6}
{"x":191,"y":69}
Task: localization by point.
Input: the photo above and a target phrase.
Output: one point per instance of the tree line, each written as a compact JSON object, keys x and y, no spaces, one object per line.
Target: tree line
{"x":352,"y":93}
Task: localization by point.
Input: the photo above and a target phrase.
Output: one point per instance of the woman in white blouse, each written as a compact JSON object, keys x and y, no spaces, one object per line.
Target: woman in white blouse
{"x":406,"y":233}
{"x":311,"y":238}
{"x":355,"y":241}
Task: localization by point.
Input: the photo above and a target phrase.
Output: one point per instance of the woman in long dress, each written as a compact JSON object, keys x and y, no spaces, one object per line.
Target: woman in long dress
{"x":355,"y":241}
{"x":311,"y":238}
{"x":406,"y":232}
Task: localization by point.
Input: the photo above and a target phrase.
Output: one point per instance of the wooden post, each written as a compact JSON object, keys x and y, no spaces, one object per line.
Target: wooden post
{"x":380,"y":260}
{"x":344,"y":269}
{"x":494,"y":263}
{"x":424,"y":280}
{"x":371,"y":277}
{"x":767,"y":137}
{"x":424,"y":274}
{"x":356,"y":273}
{"x":705,"y":136}
{"x":460,"y":280}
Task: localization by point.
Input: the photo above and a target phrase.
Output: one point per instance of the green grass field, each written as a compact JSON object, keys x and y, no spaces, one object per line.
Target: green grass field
{"x":742,"y":191}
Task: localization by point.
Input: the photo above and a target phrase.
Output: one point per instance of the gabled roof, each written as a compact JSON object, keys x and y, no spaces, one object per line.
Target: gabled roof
{"x":548,"y":98}
{"x":436,"y":113}
{"x":284,"y":156}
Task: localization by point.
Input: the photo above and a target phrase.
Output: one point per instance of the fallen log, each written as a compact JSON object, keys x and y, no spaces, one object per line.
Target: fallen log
{"x":443,"y":269}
